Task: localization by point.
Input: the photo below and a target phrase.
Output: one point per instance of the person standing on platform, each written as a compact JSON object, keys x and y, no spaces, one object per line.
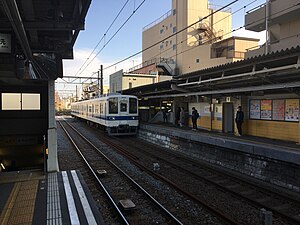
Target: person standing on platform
{"x":165,"y":116}
{"x":177,"y":116}
{"x":195,"y":116}
{"x":239,"y":119}
{"x":182,"y":117}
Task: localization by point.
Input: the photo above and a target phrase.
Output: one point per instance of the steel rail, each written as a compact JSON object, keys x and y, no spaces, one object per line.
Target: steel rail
{"x":96,"y":177}
{"x":216,"y":212}
{"x":127,"y":176}
{"x":234,"y":193}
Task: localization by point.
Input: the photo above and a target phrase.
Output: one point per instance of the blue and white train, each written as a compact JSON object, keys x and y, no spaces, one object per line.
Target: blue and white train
{"x":117,"y":113}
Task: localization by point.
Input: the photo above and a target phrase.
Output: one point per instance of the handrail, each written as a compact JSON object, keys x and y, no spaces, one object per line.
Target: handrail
{"x":166,"y":15}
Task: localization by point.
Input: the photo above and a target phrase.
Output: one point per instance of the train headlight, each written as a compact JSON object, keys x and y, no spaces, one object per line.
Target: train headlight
{"x":111,"y":118}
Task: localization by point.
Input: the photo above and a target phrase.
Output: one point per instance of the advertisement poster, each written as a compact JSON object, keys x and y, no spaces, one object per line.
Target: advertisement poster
{"x":278,"y":109}
{"x":266,"y":109}
{"x":292,"y":110}
{"x":254,"y":109}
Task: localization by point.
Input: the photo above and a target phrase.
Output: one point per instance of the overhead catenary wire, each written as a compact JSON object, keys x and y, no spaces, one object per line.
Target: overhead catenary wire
{"x":183,"y":29}
{"x":118,"y":30}
{"x":137,"y":53}
{"x":151,"y":45}
{"x":104,"y":35}
{"x":207,"y":40}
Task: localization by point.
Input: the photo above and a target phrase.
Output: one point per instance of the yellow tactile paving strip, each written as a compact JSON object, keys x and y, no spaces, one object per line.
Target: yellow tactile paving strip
{"x":19,"y":207}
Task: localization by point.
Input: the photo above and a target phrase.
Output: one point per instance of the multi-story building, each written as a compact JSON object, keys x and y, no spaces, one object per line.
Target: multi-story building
{"x":281,"y":20}
{"x":120,"y":80}
{"x":193,"y":36}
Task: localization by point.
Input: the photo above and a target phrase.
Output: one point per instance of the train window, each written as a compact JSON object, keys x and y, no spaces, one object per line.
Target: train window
{"x":101,"y":108}
{"x":113,"y":105}
{"x":132,"y":105}
{"x":123,"y":106}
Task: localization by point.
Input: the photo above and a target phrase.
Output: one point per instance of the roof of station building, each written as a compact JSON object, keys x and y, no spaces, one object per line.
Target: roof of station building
{"x":42,"y":32}
{"x":268,"y":72}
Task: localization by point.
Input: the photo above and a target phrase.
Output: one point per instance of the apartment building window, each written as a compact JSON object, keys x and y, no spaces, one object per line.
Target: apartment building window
{"x":130,"y":84}
{"x":167,"y":42}
{"x":170,"y":42}
{"x":161,"y":31}
{"x":161,"y":46}
{"x":197,"y":60}
{"x":174,"y":30}
{"x":171,"y":25}
{"x":174,"y":47}
{"x":174,"y":12}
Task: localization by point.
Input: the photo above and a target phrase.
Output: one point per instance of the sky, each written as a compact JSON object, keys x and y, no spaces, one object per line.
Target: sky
{"x":128,"y":40}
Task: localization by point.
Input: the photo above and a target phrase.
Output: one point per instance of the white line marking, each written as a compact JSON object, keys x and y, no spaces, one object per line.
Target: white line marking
{"x":84,"y":201}
{"x":70,"y":200}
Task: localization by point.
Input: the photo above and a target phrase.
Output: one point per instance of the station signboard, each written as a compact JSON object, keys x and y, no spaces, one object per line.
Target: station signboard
{"x":5,"y":43}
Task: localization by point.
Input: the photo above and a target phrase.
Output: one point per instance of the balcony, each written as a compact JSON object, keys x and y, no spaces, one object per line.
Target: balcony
{"x":280,"y":12}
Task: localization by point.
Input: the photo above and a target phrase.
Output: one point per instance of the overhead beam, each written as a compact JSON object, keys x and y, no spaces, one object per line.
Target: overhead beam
{"x":12,"y":12}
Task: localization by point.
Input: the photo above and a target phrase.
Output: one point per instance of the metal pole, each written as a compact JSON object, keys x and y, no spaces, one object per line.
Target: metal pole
{"x":98,"y":92}
{"x":101,"y":79}
{"x":76,"y":97}
{"x":267,"y":27}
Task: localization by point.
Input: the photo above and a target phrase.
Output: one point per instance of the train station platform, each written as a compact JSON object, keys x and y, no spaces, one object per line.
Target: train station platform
{"x":30,"y":197}
{"x":270,"y":160}
{"x":275,"y":149}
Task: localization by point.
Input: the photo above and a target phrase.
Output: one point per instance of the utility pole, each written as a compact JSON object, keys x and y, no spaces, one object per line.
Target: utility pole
{"x":101,"y":79}
{"x":76,"y":97}
{"x":98,"y":92}
{"x":268,"y":3}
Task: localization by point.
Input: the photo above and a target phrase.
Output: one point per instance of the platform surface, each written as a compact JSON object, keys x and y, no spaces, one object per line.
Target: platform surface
{"x":30,"y":197}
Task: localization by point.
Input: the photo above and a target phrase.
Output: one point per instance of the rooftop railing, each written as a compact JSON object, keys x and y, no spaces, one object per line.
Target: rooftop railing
{"x":166,"y":15}
{"x":216,"y":7}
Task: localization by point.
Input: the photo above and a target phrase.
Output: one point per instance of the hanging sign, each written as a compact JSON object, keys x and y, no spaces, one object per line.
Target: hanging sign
{"x":5,"y":43}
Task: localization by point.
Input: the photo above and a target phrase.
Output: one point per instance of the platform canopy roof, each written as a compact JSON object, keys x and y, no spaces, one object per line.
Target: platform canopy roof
{"x":268,"y":73}
{"x":41,"y":33}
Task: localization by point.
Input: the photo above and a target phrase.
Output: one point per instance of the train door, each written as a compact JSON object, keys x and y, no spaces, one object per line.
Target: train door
{"x":228,"y":117}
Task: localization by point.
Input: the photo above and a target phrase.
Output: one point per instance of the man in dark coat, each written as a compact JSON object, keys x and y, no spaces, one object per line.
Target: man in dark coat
{"x":239,"y":119}
{"x":195,"y":116}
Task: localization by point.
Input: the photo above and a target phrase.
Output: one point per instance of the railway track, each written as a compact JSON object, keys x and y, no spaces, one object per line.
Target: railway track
{"x":280,"y":204}
{"x":285,"y":209}
{"x":211,"y":210}
{"x":122,"y":191}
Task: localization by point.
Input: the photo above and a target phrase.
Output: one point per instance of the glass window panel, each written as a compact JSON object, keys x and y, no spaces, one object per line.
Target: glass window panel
{"x":132,"y":105}
{"x":123,"y":106}
{"x":11,"y":101}
{"x":31,"y":102}
{"x":113,"y":105}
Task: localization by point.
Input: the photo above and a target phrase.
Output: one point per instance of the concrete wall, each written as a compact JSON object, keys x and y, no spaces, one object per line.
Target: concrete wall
{"x":235,"y":156}
{"x":183,"y":47}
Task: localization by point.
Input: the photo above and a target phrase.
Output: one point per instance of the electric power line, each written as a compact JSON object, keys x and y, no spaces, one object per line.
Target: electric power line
{"x":134,"y":11}
{"x":104,"y":35}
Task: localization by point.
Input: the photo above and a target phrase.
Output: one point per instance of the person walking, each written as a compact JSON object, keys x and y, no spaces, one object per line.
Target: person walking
{"x":182,"y":117}
{"x":195,"y":116}
{"x":239,"y":119}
